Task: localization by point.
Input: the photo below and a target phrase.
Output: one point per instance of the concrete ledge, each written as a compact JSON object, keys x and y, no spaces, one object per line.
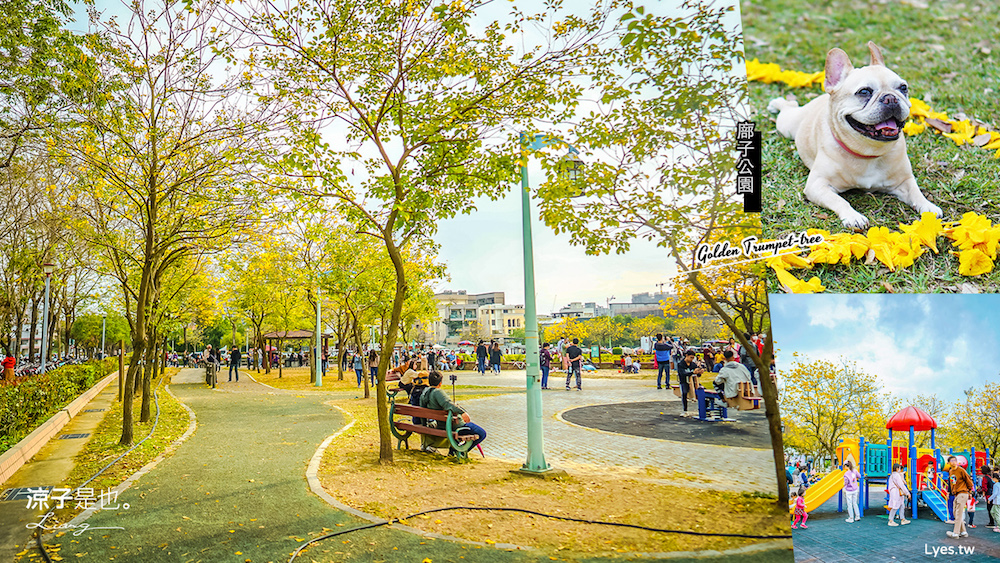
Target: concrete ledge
{"x":23,"y":451}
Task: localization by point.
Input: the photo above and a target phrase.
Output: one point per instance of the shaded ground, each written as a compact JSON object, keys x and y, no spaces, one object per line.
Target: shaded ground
{"x":830,"y":539}
{"x":662,"y":420}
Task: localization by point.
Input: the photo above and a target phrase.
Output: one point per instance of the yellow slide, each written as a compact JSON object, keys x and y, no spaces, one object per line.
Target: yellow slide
{"x":821,"y":491}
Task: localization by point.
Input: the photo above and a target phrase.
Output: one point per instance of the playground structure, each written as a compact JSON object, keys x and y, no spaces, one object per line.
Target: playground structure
{"x":874,"y":462}
{"x":713,"y":406}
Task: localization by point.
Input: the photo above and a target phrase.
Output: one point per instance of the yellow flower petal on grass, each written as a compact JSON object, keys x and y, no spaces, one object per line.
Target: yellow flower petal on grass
{"x":914,"y":128}
{"x":794,"y":285}
{"x":790,"y":260}
{"x":974,"y":263}
{"x":927,"y":229}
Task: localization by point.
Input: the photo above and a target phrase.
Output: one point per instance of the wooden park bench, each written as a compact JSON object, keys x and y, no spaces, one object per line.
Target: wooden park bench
{"x":747,"y":400}
{"x":403,"y":430}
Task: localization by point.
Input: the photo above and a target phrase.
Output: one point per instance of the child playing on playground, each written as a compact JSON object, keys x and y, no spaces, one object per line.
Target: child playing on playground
{"x":800,"y":515}
{"x":970,"y":510}
{"x":897,"y":490}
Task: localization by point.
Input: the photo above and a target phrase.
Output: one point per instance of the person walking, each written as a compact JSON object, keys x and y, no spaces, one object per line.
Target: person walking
{"x":987,"y":488}
{"x":359,"y":366}
{"x":545,"y":363}
{"x":373,"y":365}
{"x":851,"y":491}
{"x":9,"y":363}
{"x":481,"y":354}
{"x":495,"y":357}
{"x":897,"y":490}
{"x":574,"y":355}
{"x":661,"y":351}
{"x":234,"y":364}
{"x":960,"y":485}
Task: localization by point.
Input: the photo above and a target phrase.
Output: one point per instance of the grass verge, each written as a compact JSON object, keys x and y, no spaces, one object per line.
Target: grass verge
{"x":103,"y":446}
{"x":944,"y":51}
{"x":417,"y":481}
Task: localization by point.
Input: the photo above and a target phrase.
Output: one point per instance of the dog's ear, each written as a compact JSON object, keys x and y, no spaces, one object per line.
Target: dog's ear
{"x":838,"y":66}
{"x":876,"y":54}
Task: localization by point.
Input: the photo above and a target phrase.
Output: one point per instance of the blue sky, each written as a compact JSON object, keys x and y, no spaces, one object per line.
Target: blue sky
{"x":915,"y":344}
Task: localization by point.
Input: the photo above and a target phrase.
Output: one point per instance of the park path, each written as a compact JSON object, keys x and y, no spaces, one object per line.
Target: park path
{"x":235,"y":491}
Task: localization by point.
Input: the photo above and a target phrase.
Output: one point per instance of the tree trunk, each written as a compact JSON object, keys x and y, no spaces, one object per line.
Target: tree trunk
{"x":147,"y":376}
{"x":381,"y":400}
{"x":768,"y":387}
{"x":133,"y":369}
{"x":32,"y":330}
{"x":281,"y":359}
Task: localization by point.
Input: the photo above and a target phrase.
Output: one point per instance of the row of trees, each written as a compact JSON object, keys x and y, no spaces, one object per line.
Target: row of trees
{"x":824,"y":402}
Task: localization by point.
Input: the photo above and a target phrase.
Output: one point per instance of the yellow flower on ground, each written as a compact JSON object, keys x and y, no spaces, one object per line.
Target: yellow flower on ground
{"x":914,"y":128}
{"x":789,"y":259}
{"x":961,"y":132}
{"x":927,"y":228}
{"x":919,"y":108}
{"x":974,"y":262}
{"x":794,"y":285}
{"x":973,"y":229}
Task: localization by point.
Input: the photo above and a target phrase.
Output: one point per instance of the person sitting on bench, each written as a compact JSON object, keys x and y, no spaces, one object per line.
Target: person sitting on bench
{"x":434,"y":398}
{"x":727,"y":382}
{"x":406,"y":373}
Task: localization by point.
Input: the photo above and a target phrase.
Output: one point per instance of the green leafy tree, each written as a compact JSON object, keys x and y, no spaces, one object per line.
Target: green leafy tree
{"x":429,"y":107}
{"x":661,"y":156}
{"x":167,"y":166}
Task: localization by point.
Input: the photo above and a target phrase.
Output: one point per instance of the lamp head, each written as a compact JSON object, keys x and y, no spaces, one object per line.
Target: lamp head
{"x":572,"y":166}
{"x":48,"y":268}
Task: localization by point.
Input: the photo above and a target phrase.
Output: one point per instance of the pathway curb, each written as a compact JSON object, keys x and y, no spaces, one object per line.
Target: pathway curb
{"x":192,"y":426}
{"x":23,"y":451}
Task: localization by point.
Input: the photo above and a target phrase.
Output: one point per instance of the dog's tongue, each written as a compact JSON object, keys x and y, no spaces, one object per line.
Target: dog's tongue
{"x":887,"y":127}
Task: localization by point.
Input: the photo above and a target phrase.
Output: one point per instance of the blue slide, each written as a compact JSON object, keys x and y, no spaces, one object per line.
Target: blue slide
{"x":936,"y":503}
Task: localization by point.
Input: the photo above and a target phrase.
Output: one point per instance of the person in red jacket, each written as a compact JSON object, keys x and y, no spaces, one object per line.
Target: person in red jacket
{"x":8,"y":366}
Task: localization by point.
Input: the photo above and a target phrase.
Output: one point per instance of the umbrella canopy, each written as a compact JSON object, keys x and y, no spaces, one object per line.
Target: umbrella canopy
{"x":465,"y":343}
{"x":438,"y":347}
{"x":911,"y":416}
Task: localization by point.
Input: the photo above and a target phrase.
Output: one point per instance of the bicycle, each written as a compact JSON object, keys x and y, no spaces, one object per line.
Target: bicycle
{"x":518,"y":364}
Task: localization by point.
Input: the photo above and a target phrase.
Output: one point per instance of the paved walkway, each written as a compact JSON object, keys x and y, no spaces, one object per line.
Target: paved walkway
{"x":235,"y":491}
{"x":577,"y":448}
{"x":50,"y":467}
{"x":830,"y":539}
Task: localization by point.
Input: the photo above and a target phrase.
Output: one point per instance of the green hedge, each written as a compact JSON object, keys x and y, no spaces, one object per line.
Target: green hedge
{"x":25,"y":406}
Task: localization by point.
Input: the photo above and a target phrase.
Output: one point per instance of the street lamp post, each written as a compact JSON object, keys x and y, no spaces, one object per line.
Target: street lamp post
{"x":535,"y":462}
{"x":317,"y":368}
{"x":48,"y":268}
{"x":104,"y":326}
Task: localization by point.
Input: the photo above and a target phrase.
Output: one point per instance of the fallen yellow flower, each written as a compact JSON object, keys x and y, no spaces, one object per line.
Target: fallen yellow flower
{"x":927,"y":229}
{"x":974,"y":262}
{"x":793,"y":284}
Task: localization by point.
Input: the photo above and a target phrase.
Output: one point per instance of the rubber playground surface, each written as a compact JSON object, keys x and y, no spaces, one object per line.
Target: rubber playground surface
{"x":236,"y":491}
{"x":830,"y":539}
{"x":662,"y":420}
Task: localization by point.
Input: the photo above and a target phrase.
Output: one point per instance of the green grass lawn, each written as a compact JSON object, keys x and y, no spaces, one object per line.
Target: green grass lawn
{"x":948,"y":54}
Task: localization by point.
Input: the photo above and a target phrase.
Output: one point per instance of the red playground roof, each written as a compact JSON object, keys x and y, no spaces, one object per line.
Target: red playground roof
{"x":911,"y":416}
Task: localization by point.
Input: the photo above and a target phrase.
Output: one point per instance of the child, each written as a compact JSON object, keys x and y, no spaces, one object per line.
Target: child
{"x":971,"y":510}
{"x":800,"y":516}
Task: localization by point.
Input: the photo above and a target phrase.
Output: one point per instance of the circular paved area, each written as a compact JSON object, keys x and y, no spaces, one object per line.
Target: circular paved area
{"x":572,"y":447}
{"x":662,"y":420}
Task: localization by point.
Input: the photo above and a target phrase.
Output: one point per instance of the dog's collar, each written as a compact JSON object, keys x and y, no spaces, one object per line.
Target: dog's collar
{"x":852,"y":153}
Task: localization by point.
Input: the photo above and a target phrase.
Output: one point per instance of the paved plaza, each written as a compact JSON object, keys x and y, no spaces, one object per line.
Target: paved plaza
{"x":829,"y":539}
